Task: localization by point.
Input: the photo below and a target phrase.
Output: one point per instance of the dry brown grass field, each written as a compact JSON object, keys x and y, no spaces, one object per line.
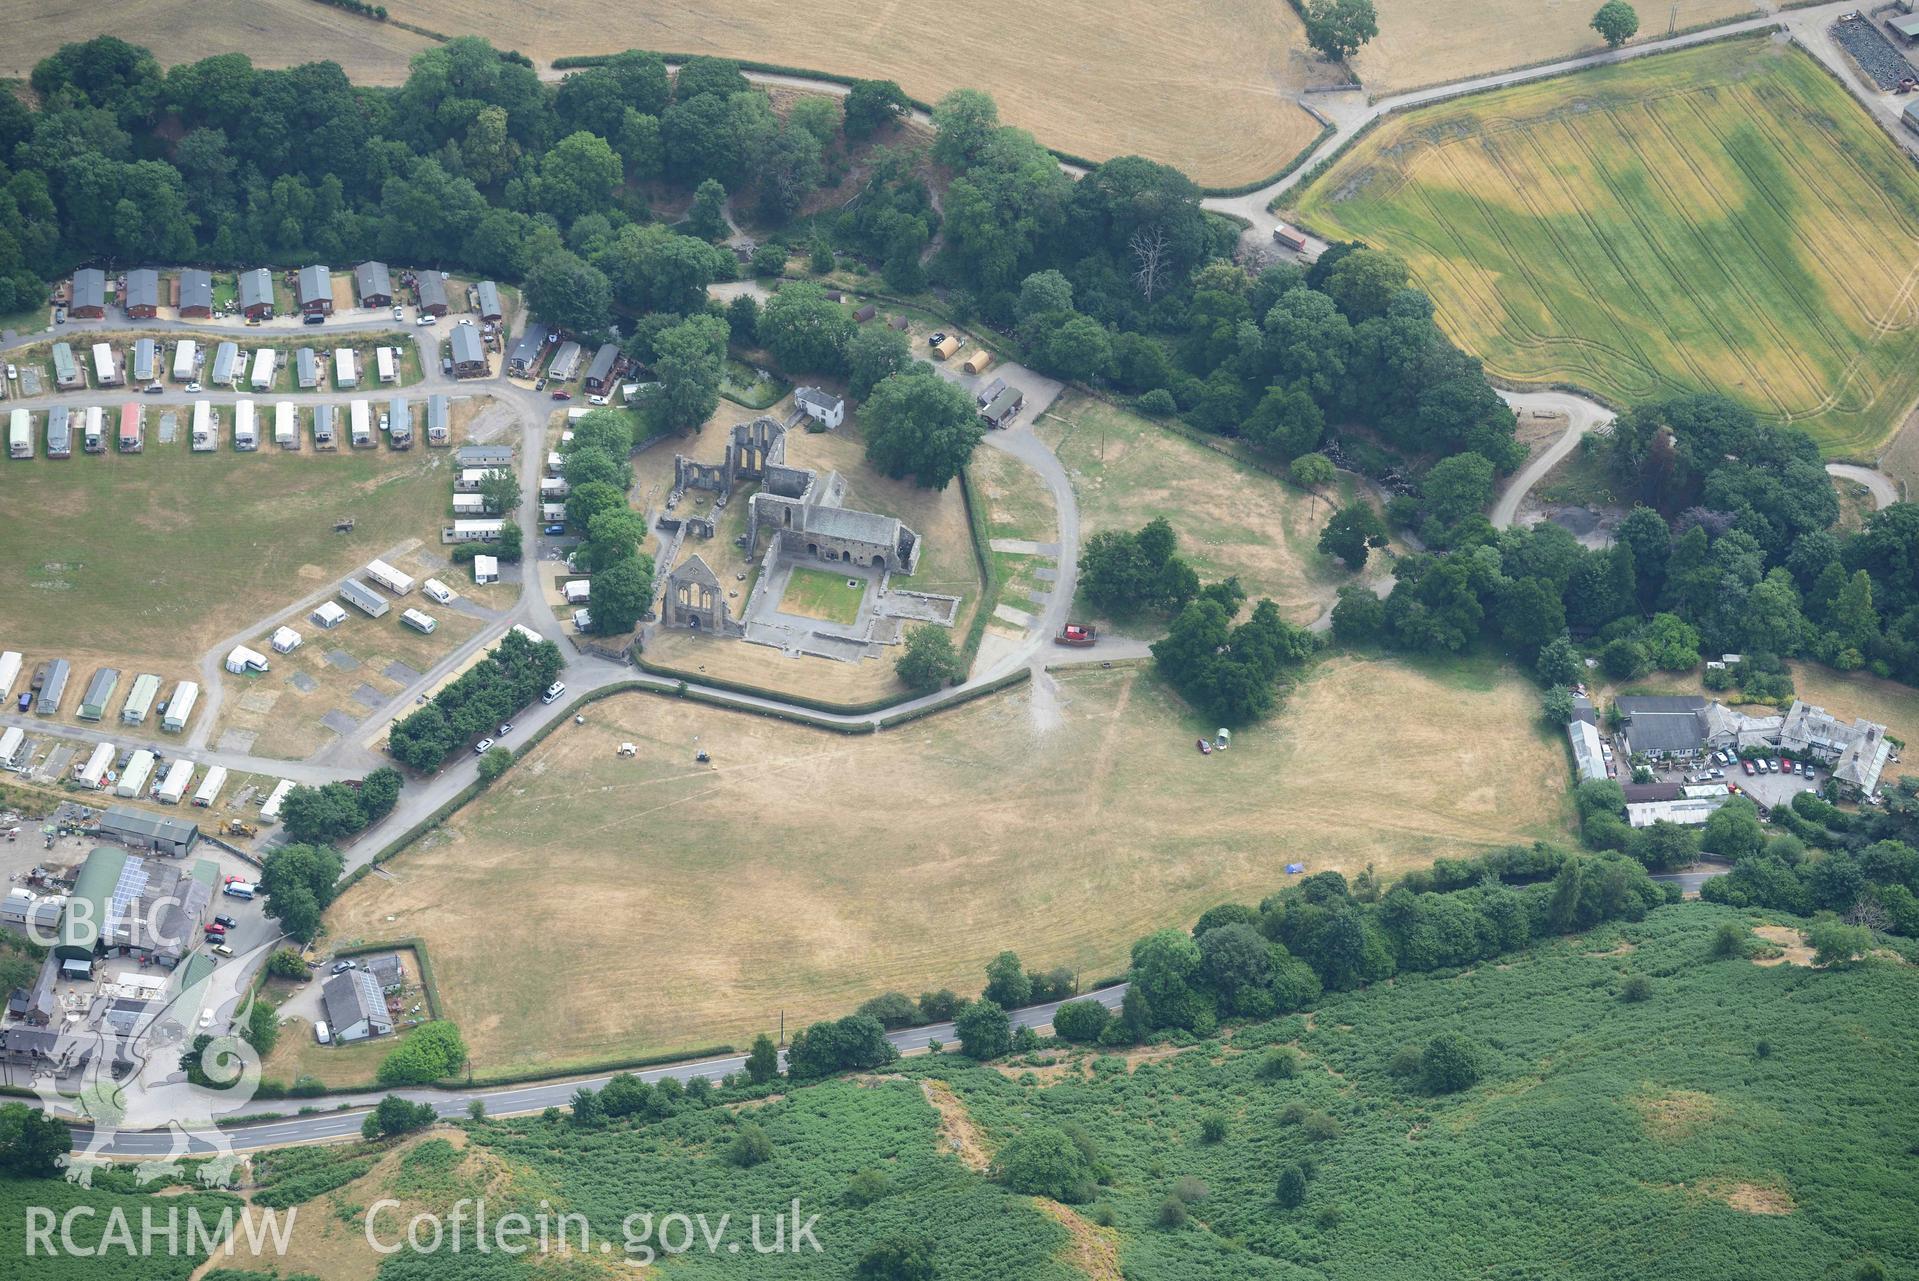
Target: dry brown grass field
{"x":1424,"y":44}
{"x":274,"y":33}
{"x":591,"y":906}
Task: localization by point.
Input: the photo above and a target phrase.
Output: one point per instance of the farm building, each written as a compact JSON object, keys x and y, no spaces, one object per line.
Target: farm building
{"x":13,"y":743}
{"x":93,"y":703}
{"x":1857,"y":753}
{"x":89,"y":300}
{"x":355,"y":1008}
{"x":306,"y":368}
{"x":577,"y":592}
{"x":186,"y":358}
{"x":313,"y":291}
{"x":604,"y":369}
{"x":470,"y":531}
{"x":106,"y":366}
{"x":178,"y":778}
{"x":146,"y":688}
{"x":284,"y":640}
{"x":486,"y":569}
{"x":1003,"y":408}
{"x":327,"y":616}
{"x":325,"y":430}
{"x":1666,"y":725}
{"x":94,"y":773}
{"x":469,"y":504}
{"x":246,"y":427}
{"x":430,"y":287}
{"x":264,"y":361}
{"x":20,"y":434}
{"x":399,"y":433}
{"x":823,"y":407}
{"x":53,"y":687}
{"x":180,"y":706}
{"x":286,"y":425}
{"x":346,"y":370}
{"x":489,"y":294}
{"x":270,"y":810}
{"x":469,"y":354}
{"x":133,"y":428}
{"x":133,"y":906}
{"x":390,"y":578}
{"x":363,"y":598}
{"x":226,"y":364}
{"x":59,"y":432}
{"x":372,"y":283}
{"x":566,"y":362}
{"x":202,"y":438}
{"x":241,"y":660}
{"x":419,"y":622}
{"x":360,"y":424}
{"x":196,"y":294}
{"x":133,"y":779}
{"x":66,"y":370}
{"x":438,"y":430}
{"x":93,"y":436}
{"x":146,"y":360}
{"x":386,"y":364}
{"x":141,"y":301}
{"x":209,"y":790}
{"x":484,"y":456}
{"x":524,"y":360}
{"x":256,"y":294}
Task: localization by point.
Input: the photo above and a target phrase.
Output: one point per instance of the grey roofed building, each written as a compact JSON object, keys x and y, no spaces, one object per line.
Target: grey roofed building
{"x":1664,"y":724}
{"x":256,"y":291}
{"x":226,"y":358}
{"x":314,"y":290}
{"x":1638,"y":793}
{"x":373,"y":284}
{"x":489,"y":301}
{"x":143,"y":291}
{"x":483,"y":455}
{"x":431,"y":287}
{"x":1583,"y":710}
{"x":36,"y":1005}
{"x":307,"y":366}
{"x":1727,"y":728}
{"x":436,"y":417}
{"x":89,"y":291}
{"x":146,"y":360}
{"x":600,"y":372}
{"x":54,"y":687}
{"x":355,"y":1007}
{"x":196,"y":292}
{"x":469,"y":357}
{"x":148,"y":833}
{"x":66,"y":370}
{"x":1857,"y":752}
{"x":386,"y":970}
{"x":844,"y":522}
{"x":526,"y":353}
{"x":368,"y":601}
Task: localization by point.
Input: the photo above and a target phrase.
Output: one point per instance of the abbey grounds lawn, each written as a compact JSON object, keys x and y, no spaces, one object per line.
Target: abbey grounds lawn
{"x":1721,"y":218}
{"x":591,"y":907}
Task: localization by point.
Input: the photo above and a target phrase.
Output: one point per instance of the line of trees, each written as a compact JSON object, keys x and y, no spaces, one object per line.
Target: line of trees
{"x":333,"y":811}
{"x":511,"y":676}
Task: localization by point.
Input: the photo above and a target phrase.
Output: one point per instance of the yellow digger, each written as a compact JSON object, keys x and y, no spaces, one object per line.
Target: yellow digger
{"x":234,"y":827}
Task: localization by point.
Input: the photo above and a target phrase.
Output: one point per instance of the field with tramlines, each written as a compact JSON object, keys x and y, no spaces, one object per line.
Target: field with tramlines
{"x":1720,"y":218}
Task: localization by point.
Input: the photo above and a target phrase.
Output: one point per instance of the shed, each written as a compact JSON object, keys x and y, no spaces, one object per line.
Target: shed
{"x":146,"y":360}
{"x":241,"y":660}
{"x":373,"y":285}
{"x":59,"y":432}
{"x":865,"y":313}
{"x":286,"y":425}
{"x":438,"y":430}
{"x":327,"y":616}
{"x":133,"y":779}
{"x":364,"y":598}
{"x":178,"y":778}
{"x":486,"y":569}
{"x":94,"y":773}
{"x":306,"y":368}
{"x":469,"y":354}
{"x":209,"y":790}
{"x":93,"y":704}
{"x":89,"y":301}
{"x":946,"y":346}
{"x":180,"y":706}
{"x":141,"y":300}
{"x":430,"y":288}
{"x":285,"y":640}
{"x":897,"y":322}
{"x":196,"y":294}
{"x":186,"y":358}
{"x":979,"y":362}
{"x":314,"y":290}
{"x":1907,"y":25}
{"x":146,"y":688}
{"x":256,"y":293}
{"x":265,"y":360}
{"x":489,"y":301}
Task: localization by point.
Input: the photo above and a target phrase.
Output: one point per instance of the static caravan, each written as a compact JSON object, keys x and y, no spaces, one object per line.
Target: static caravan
{"x":203,"y":438}
{"x":9,"y":672}
{"x":59,"y":432}
{"x":286,"y":425}
{"x":106,"y":366}
{"x":471,"y":531}
{"x":146,"y":360}
{"x":471,"y":479}
{"x":327,"y":616}
{"x":399,"y":424}
{"x":306,"y":368}
{"x":438,"y":431}
{"x":264,"y":361}
{"x":386,"y":363}
{"x":20,"y":435}
{"x":246,"y":431}
{"x":241,"y":660}
{"x":422,"y":623}
{"x":133,"y":779}
{"x":551,"y":512}
{"x":210,"y":786}
{"x":146,"y":688}
{"x":363,"y":598}
{"x":53,"y":687}
{"x":555,"y":462}
{"x":180,"y":706}
{"x":93,"y":437}
{"x":390,"y":578}
{"x":577,"y":591}
{"x":345,"y":372}
{"x":325,"y":431}
{"x":553,"y":487}
{"x":469,"y":504}
{"x":13,"y":743}
{"x":489,"y":300}
{"x":362,"y":421}
{"x":270,"y":812}
{"x":174,"y":786}
{"x":486,"y":569}
{"x":93,"y":774}
{"x":93,"y":704}
{"x":66,"y":370}
{"x":133,"y":428}
{"x":566,"y":362}
{"x":226,"y":364}
{"x":186,"y":355}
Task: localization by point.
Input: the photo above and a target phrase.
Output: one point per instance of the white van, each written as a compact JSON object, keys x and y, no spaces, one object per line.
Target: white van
{"x":553,"y":691}
{"x":321,"y":1034}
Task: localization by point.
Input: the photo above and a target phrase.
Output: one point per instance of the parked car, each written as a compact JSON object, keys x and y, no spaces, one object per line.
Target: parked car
{"x":152,"y":389}
{"x":221,"y":949}
{"x":399,"y":312}
{"x":321,"y":1034}
{"x":215,"y":930}
{"x":480,"y":748}
{"x":505,"y":730}
{"x":341,"y":967}
{"x":227,"y":921}
{"x":1779,"y":766}
{"x":12,"y":372}
{"x":539,"y":384}
{"x":423,"y":319}
{"x":553,"y":691}
{"x":1748,"y":767}
{"x":562,"y":395}
{"x":193,"y":388}
{"x":26,"y":701}
{"x":553,"y":529}
{"x":934,"y":340}
{"x":315,"y":319}
{"x":596,"y":400}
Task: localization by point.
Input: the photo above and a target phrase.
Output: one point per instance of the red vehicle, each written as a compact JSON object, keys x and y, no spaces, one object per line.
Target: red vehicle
{"x":1288,"y":237}
{"x":216,"y":930}
{"x":1077,"y":634}
{"x":562,"y":395}
{"x":1205,"y":746}
{"x":1747,"y":765}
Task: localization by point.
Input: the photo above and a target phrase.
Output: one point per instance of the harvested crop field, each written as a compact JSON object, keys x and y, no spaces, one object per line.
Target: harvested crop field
{"x":1422,"y":44}
{"x":274,"y":33}
{"x":1722,"y":218}
{"x":659,"y":904}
